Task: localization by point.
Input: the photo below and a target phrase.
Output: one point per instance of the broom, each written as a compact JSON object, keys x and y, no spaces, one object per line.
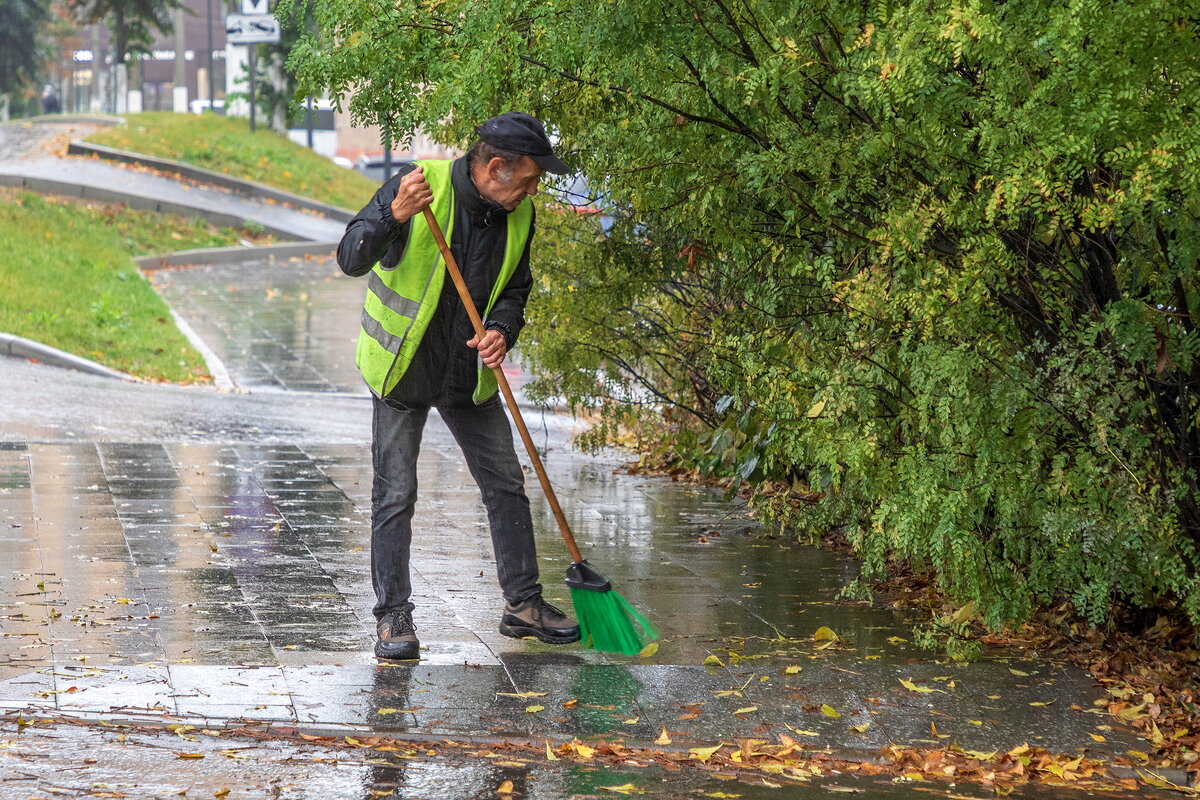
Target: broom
{"x":607,"y":621}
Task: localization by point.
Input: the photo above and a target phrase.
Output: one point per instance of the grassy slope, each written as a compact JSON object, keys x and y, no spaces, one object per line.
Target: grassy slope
{"x":226,"y":145}
{"x":66,"y":279}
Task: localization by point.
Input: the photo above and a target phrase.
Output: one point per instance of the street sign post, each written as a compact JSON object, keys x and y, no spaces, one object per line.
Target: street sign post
{"x":253,"y":26}
{"x":251,"y":29}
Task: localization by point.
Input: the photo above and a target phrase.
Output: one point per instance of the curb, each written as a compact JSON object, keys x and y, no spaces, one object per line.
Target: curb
{"x":216,"y":367}
{"x":137,"y":202}
{"x":19,"y":347}
{"x":69,"y":119}
{"x":234,"y":255}
{"x":238,"y":185}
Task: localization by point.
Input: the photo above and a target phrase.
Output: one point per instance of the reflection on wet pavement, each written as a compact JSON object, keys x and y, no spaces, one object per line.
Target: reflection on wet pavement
{"x":231,"y":581}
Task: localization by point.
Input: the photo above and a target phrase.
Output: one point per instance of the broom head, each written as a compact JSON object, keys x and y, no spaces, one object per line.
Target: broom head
{"x":607,"y":622}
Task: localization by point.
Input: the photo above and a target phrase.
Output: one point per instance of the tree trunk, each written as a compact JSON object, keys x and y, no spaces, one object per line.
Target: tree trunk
{"x":279,"y":85}
{"x":118,"y":55}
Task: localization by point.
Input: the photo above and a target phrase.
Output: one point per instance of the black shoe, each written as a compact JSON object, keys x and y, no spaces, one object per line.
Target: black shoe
{"x":397,"y":637}
{"x":535,"y":617}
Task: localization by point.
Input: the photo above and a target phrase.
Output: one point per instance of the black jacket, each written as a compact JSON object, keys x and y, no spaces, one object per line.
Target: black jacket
{"x":443,"y":370}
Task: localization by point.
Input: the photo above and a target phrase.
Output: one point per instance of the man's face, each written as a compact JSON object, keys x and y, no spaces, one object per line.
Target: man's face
{"x":509,"y":185}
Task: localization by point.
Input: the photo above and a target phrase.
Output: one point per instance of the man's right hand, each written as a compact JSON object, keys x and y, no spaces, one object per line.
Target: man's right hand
{"x":412,"y":196}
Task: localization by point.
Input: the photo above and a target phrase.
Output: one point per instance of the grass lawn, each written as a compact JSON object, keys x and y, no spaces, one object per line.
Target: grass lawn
{"x":226,"y":145}
{"x":67,"y":279}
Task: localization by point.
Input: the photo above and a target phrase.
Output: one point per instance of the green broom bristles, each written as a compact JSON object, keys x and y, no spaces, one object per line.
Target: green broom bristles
{"x":607,"y":622}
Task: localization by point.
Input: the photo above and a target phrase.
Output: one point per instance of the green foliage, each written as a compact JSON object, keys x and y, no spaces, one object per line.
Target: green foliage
{"x":133,"y":22}
{"x":936,"y":261}
{"x":22,"y":27}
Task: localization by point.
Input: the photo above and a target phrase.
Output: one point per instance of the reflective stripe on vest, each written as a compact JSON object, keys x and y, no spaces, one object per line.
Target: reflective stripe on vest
{"x":400,"y":302}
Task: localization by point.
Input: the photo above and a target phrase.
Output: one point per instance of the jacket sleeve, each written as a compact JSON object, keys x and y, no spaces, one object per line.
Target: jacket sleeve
{"x":374,"y":236}
{"x":508,"y":315}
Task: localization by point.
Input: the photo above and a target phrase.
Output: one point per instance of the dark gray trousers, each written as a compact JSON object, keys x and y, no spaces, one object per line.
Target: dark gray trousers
{"x":485,"y":438}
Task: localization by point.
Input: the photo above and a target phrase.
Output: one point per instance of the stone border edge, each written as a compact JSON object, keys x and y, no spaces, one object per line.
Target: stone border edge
{"x":69,"y":119}
{"x":20,"y":347}
{"x":79,"y":147}
{"x":235,"y":255}
{"x":134,"y":201}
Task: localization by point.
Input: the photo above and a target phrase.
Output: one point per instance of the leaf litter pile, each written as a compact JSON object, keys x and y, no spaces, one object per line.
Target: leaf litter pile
{"x":1148,"y":664}
{"x":777,"y":763}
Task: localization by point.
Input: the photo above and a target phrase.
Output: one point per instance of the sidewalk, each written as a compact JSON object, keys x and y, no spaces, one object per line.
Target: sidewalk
{"x":208,"y":578}
{"x":25,"y":161}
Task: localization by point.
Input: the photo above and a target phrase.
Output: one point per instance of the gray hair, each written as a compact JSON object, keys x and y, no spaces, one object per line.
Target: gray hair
{"x":482,"y":153}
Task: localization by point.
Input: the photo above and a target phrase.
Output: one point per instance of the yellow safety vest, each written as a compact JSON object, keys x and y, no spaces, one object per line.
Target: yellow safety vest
{"x":400,"y":301}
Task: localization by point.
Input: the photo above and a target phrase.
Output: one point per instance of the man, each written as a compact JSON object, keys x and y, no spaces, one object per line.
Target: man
{"x":417,"y":350}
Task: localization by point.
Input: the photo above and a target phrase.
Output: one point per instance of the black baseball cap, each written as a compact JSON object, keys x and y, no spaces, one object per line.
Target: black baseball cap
{"x":521,"y":133}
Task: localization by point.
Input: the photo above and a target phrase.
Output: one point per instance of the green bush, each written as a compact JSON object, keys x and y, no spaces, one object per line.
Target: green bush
{"x":935,"y":261}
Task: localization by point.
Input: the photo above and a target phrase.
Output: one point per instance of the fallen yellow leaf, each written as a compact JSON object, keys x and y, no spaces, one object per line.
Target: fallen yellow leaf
{"x":624,"y":788}
{"x":522,"y":695}
{"x":505,"y":788}
{"x":799,"y":732}
{"x":1160,"y":782}
{"x":792,"y":670}
{"x":190,"y":755}
{"x":825,"y":634}
{"x":550,"y":753}
{"x":705,"y":753}
{"x":829,"y":711}
{"x":1097,"y":737}
{"x":534,"y":709}
{"x":648,"y":650}
{"x":860,"y":728}
{"x":912,"y":687}
{"x":746,"y":710}
{"x":663,"y":738}
{"x":713,"y":661}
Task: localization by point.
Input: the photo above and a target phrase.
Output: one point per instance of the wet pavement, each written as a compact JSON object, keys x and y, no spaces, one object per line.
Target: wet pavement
{"x":182,"y":555}
{"x":280,"y":324}
{"x":22,"y":141}
{"x":274,"y":324}
{"x":217,"y":575}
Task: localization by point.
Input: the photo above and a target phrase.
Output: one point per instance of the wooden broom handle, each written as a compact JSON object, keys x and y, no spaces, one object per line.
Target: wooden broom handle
{"x":465,"y":295}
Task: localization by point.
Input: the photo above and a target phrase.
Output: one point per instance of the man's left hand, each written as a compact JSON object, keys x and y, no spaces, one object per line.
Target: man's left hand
{"x":491,"y":348}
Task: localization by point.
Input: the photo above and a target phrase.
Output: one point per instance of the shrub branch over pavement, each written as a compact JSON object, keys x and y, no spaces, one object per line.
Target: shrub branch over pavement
{"x":934,"y":260}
